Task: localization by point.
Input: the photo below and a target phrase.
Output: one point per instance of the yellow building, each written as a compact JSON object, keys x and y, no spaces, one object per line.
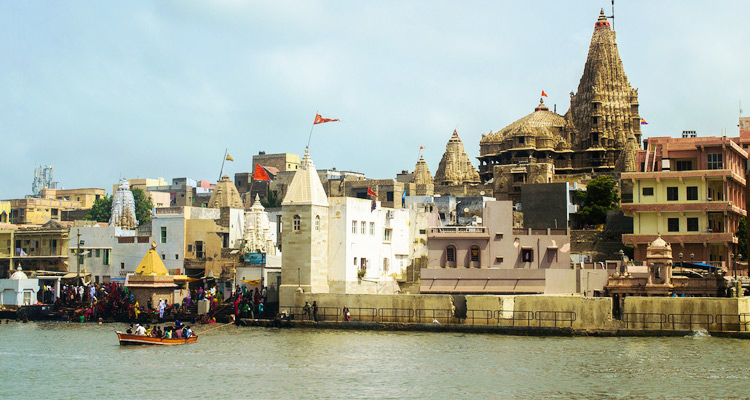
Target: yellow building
{"x":142,"y":183}
{"x":4,"y":212}
{"x":7,"y":240}
{"x":691,"y":191}
{"x":85,"y":196}
{"x":34,"y":210}
{"x":36,"y":247}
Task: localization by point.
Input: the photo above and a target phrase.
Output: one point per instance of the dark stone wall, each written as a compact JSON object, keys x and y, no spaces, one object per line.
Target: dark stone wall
{"x":543,"y":203}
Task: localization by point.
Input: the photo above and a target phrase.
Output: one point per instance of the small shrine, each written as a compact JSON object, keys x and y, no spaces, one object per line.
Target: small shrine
{"x":151,"y":280}
{"x":19,"y":290}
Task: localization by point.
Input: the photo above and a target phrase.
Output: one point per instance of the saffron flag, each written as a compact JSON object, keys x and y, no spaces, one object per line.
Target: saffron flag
{"x":371,"y":193}
{"x":544,"y":94}
{"x":260,"y":174}
{"x":421,"y":147}
{"x":229,"y":158}
{"x":643,"y":122}
{"x":321,"y":120}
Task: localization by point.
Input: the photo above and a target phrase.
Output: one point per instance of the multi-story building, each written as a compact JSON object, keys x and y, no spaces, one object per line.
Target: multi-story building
{"x":689,"y":190}
{"x":495,"y":258}
{"x":42,"y":248}
{"x":4,"y":212}
{"x":34,"y":210}
{"x":85,"y":196}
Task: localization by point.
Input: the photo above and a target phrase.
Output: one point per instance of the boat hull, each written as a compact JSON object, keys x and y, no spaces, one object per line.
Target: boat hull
{"x":128,"y":339}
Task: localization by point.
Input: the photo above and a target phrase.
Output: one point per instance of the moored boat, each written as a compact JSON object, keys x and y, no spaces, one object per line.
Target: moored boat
{"x":130,"y":339}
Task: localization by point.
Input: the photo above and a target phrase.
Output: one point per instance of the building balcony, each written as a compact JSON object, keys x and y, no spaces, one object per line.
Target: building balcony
{"x":701,"y":206}
{"x":703,"y":174}
{"x":458,"y":232}
{"x":681,"y":238}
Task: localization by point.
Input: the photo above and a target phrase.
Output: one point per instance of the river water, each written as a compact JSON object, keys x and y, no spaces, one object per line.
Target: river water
{"x":62,"y":360}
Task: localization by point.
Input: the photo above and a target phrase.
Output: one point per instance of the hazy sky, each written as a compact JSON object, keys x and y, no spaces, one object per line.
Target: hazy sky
{"x":103,"y":89}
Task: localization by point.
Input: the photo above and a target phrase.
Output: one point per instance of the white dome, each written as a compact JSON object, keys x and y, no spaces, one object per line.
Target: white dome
{"x":19,"y":275}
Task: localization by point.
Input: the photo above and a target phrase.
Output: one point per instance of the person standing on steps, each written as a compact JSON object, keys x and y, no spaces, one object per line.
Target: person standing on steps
{"x":315,"y":311}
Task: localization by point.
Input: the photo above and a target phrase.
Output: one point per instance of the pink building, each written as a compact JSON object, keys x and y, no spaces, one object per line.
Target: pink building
{"x":496,"y":258}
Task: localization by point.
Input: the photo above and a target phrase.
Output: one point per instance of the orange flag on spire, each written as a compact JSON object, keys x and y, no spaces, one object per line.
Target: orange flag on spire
{"x":371,"y":193}
{"x":321,"y":120}
{"x":544,"y":94}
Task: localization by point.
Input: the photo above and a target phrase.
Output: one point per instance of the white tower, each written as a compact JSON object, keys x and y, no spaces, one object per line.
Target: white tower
{"x":123,"y":208}
{"x":304,"y":251}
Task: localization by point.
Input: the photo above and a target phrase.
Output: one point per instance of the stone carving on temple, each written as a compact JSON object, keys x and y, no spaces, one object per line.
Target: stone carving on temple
{"x":455,"y":167}
{"x":123,"y":208}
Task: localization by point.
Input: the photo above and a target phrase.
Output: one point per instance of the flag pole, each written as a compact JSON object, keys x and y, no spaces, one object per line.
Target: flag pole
{"x":309,"y":137}
{"x":222,"y":163}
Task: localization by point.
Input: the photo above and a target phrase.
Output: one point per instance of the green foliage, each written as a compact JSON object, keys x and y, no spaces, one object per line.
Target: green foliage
{"x":101,"y":210}
{"x":742,"y":238}
{"x":143,"y":206}
{"x":600,"y":196}
{"x":272,"y":200}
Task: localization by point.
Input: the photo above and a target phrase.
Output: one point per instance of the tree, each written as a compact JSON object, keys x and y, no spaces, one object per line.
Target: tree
{"x":742,"y":239}
{"x":272,"y":200}
{"x":101,"y":210}
{"x":600,"y":196}
{"x":143,"y":206}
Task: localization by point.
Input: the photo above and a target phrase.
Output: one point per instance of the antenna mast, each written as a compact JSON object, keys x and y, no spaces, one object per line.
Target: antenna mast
{"x":613,"y":15}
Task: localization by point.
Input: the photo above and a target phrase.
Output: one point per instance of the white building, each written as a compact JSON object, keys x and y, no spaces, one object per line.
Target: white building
{"x":344,"y":245}
{"x":19,"y":290}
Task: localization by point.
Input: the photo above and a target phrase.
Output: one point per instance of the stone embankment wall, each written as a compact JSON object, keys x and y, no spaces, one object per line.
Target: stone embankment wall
{"x":600,"y":245}
{"x":540,"y":311}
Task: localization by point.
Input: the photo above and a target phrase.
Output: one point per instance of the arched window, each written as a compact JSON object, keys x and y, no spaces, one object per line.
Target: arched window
{"x":296,"y":223}
{"x":475,"y":254}
{"x":450,"y":256}
{"x":317,"y":222}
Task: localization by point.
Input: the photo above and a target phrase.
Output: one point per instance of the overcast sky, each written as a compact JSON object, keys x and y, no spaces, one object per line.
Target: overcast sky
{"x":104,"y":89}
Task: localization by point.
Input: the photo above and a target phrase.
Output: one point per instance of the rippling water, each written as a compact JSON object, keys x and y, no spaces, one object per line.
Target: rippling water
{"x":59,"y":360}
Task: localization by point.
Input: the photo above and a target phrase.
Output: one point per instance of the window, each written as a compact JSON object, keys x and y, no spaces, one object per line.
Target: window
{"x":317,"y":222}
{"x":672,"y":193}
{"x":355,"y":261}
{"x":163,"y":256}
{"x":89,"y":253}
{"x":423,"y":231}
{"x":673,"y":224}
{"x":363,"y":230}
{"x":354,"y":227}
{"x":684,"y":165}
{"x":164,"y":234}
{"x":363,"y":263}
{"x":648,"y":191}
{"x":692,"y":193}
{"x":296,"y":223}
{"x":98,"y":253}
{"x":122,"y":265}
{"x":692,"y":224}
{"x":527,"y":255}
{"x":450,"y":254}
{"x":498,"y":260}
{"x":518,"y":178}
{"x":475,"y":253}
{"x":190,"y":248}
{"x":105,"y":259}
{"x":176,"y":256}
{"x":387,"y":234}
{"x":389,"y":196}
{"x":199,"y":253}
{"x":714,"y":161}
{"x":372,"y":228}
{"x":521,"y":139}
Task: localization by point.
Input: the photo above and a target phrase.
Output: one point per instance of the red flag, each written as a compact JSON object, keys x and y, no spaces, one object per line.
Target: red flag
{"x":260,"y":174}
{"x":421,"y":147}
{"x":371,"y":193}
{"x":544,"y":94}
{"x":320,"y":120}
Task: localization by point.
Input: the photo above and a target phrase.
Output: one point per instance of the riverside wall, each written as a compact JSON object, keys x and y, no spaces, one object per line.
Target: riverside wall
{"x":575,"y":312}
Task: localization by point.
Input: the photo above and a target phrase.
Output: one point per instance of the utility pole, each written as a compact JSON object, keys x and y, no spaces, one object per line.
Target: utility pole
{"x":78,"y":256}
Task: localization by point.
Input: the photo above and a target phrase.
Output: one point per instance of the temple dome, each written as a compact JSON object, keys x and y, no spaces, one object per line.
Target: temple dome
{"x":151,"y":263}
{"x":18,"y":275}
{"x":225,"y":195}
{"x":659,"y":243}
{"x":542,"y":123}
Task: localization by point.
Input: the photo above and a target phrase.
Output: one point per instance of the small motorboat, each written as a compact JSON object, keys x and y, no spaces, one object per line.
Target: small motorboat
{"x":130,"y":339}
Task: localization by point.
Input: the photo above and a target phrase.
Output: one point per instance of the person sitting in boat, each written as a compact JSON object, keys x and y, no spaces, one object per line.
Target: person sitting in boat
{"x":177,"y":334}
{"x":140,"y":330}
{"x":130,"y":330}
{"x":189,"y":332}
{"x":157,"y":333}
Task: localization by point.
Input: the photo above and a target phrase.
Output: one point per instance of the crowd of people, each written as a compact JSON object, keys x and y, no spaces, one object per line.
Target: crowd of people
{"x":249,"y":304}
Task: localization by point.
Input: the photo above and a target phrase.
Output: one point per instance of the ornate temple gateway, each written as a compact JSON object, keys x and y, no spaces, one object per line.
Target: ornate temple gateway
{"x":600,"y":133}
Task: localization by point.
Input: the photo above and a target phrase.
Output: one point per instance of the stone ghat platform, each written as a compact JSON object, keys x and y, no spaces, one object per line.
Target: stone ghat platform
{"x":487,"y":329}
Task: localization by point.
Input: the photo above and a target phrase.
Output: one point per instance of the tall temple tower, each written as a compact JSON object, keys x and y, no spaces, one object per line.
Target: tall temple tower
{"x":123,"y":208}
{"x":304,"y":249}
{"x":455,"y":167}
{"x":604,"y":111}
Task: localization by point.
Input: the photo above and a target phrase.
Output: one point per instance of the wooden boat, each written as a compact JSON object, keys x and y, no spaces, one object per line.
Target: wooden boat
{"x":129,"y":339}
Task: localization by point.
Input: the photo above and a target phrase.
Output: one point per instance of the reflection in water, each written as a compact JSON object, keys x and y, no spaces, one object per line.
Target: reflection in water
{"x":85,"y":360}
